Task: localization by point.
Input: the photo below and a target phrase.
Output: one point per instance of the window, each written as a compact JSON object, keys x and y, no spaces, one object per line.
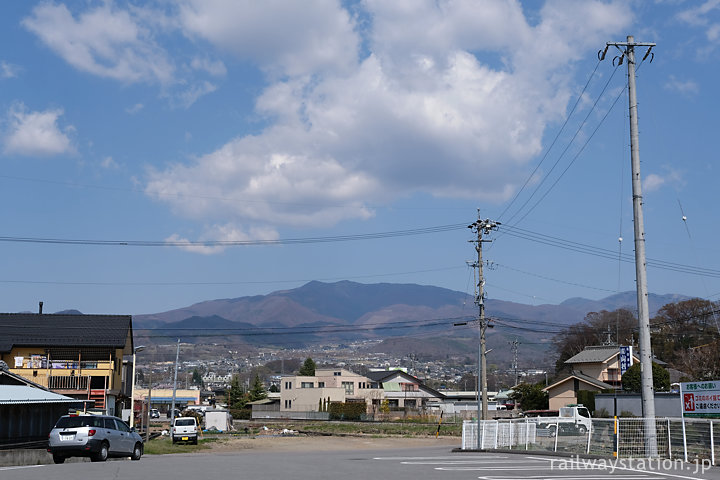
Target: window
{"x":321,"y":384}
{"x":337,"y":374}
{"x":307,"y":385}
{"x":288,"y":403}
{"x":349,"y":388}
{"x":288,"y":385}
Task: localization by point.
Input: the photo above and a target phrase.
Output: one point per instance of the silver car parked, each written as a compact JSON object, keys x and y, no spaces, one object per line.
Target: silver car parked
{"x":94,"y":436}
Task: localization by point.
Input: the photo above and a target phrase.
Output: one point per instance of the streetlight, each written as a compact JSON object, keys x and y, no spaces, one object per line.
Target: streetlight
{"x":132,"y":389}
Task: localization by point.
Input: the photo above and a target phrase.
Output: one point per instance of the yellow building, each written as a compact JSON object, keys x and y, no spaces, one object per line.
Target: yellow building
{"x":80,"y":356}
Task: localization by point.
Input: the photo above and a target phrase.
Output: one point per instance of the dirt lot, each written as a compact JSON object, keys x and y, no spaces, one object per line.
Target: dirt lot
{"x":300,"y":443}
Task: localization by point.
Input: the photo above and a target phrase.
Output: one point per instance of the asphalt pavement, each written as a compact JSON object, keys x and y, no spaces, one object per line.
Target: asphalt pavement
{"x":436,"y":463}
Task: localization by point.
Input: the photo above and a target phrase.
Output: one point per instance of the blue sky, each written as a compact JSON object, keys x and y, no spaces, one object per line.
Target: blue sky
{"x":223,"y":120}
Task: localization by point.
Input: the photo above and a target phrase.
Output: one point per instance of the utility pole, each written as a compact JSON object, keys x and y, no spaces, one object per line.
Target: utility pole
{"x":480,"y":228}
{"x":514,"y":346}
{"x":627,"y":51}
{"x":172,"y":410}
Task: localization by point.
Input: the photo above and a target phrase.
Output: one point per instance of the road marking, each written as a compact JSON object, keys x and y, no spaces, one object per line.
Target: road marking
{"x":614,"y":467}
{"x":20,"y":467}
{"x":440,"y":458}
{"x":575,"y":477}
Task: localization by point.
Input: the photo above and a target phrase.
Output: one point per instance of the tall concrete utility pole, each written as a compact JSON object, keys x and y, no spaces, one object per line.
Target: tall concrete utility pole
{"x":514,"y":347}
{"x":627,"y":50}
{"x":481,"y":227}
{"x":172,"y":409}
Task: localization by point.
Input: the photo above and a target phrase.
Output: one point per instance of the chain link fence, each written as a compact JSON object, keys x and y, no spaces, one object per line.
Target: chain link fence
{"x":672,"y":438}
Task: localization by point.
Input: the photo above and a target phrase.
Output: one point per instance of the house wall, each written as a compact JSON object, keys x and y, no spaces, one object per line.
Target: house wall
{"x":75,"y":374}
{"x":595,"y":370}
{"x":561,"y":395}
{"x":339,"y":385}
{"x":28,"y":423}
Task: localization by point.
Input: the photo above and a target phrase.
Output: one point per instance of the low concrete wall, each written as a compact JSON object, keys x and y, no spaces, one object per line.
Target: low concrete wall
{"x":37,"y":456}
{"x":34,"y":456}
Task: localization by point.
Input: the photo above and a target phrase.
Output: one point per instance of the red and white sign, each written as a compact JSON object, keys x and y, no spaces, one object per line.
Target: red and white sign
{"x":701,"y":398}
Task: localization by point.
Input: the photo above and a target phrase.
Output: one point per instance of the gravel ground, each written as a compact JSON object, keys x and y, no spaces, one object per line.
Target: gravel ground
{"x":300,"y":443}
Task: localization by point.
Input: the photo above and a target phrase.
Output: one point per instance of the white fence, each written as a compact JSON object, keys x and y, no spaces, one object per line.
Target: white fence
{"x":691,"y":440}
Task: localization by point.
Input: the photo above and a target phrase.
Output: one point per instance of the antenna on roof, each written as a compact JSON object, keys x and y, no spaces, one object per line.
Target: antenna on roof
{"x":40,"y":308}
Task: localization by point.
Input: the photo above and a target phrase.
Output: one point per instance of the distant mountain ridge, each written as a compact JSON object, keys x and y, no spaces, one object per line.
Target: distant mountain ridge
{"x":342,"y":305}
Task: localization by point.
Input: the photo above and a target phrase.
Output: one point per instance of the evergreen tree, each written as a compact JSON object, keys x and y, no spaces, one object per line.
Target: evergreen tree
{"x":197,"y":378}
{"x":257,"y":392}
{"x":631,"y":379}
{"x":308,"y":368}
{"x":236,"y":397}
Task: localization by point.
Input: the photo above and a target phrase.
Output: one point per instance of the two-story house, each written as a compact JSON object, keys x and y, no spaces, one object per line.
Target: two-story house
{"x":310,"y":393}
{"x":80,"y":356}
{"x":402,"y":391}
{"x":594,"y":369}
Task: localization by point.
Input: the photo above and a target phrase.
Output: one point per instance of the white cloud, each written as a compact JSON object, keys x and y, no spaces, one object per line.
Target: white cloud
{"x":190,"y":96}
{"x":686,"y":87}
{"x":123,"y":45}
{"x":8,"y":70}
{"x":135,"y":108}
{"x":286,"y":38}
{"x":109,"y":164}
{"x":36,"y":133}
{"x":215,"y":68}
{"x":103,"y":41}
{"x":654,"y":181}
{"x":705,"y":15}
{"x":221,"y":233}
{"x":452,"y":99}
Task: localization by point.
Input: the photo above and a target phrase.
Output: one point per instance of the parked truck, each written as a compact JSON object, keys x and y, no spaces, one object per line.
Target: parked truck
{"x":572,"y":419}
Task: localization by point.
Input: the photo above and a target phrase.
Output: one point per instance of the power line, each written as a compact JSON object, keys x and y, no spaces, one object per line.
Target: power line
{"x":236,"y":243}
{"x":565,"y":150}
{"x":547,"y":152}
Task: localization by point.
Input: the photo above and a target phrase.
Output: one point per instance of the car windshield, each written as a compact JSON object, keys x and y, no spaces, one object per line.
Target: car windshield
{"x":184,"y":422}
{"x":81,"y":421}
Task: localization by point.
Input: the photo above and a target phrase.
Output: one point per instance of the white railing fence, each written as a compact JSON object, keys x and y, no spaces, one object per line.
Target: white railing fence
{"x":691,"y":440}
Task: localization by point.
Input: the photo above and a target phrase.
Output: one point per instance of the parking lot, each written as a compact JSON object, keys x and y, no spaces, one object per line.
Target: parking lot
{"x":436,"y":463}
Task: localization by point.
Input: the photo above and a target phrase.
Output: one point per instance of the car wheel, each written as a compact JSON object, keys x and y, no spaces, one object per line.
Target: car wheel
{"x":195,"y":441}
{"x":58,"y":458}
{"x":552,"y":431}
{"x":137,"y":452}
{"x":173,"y":440}
{"x":582,"y":429}
{"x":102,"y":455}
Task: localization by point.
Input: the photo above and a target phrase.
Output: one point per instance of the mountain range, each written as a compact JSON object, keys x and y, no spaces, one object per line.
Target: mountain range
{"x":398,"y":314}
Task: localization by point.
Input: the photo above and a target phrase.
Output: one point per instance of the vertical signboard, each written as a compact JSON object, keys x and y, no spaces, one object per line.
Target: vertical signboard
{"x":626,"y":359}
{"x":700,"y":399}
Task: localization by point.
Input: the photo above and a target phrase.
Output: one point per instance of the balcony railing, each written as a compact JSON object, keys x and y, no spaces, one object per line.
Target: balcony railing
{"x":68,"y":382}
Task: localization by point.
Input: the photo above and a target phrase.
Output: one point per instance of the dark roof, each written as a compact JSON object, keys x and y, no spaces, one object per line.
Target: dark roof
{"x":595,"y":354}
{"x":385,"y":375}
{"x":61,"y":330}
{"x":381,"y":375}
{"x":583,"y":378}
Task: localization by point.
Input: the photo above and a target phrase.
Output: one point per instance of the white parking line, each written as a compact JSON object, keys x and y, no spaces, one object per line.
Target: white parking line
{"x":575,"y":477}
{"x":2,"y":469}
{"x":453,"y":457}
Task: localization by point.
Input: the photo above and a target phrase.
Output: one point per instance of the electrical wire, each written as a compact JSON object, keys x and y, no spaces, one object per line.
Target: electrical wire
{"x":552,"y":144}
{"x":565,"y":150}
{"x":235,"y":243}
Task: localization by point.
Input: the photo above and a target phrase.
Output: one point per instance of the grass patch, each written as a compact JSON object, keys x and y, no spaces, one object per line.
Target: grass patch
{"x":164,"y":446}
